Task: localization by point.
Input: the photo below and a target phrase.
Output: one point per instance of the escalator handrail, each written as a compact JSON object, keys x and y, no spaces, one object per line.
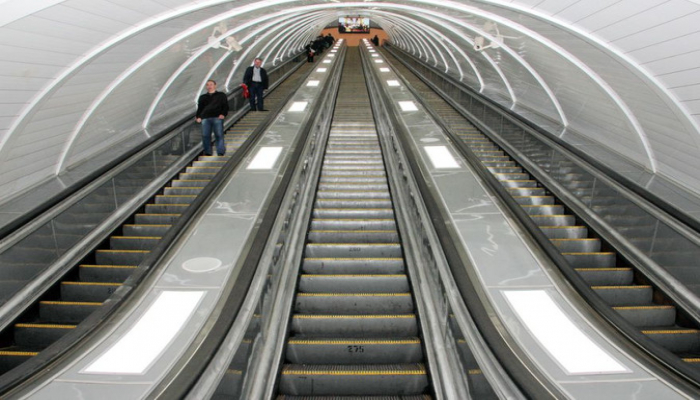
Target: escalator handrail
{"x":675,"y":216}
{"x":128,"y":157}
{"x":182,"y":378}
{"x":521,"y":370}
{"x":651,"y":348}
{"x":129,"y":293}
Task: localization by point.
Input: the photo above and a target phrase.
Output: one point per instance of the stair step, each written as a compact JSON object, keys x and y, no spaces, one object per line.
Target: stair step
{"x":373,"y":224}
{"x":105,"y":273}
{"x":353,"y":236}
{"x":353,"y":303}
{"x":359,"y":250}
{"x":133,"y":242}
{"x":648,"y":316}
{"x":66,"y":311}
{"x":393,"y":379}
{"x":578,"y":245}
{"x":156,"y":219}
{"x":315,"y":325}
{"x":10,"y":359}
{"x":353,"y":213}
{"x":553,"y":220}
{"x":120,"y":257}
{"x":676,"y":340}
{"x":565,"y":232}
{"x":354,"y":283}
{"x":87,"y":291}
{"x":353,"y":203}
{"x":39,"y":336}
{"x":591,"y":260}
{"x":606,"y":276}
{"x":145,"y":229}
{"x":616,"y":296}
{"x":341,"y":265}
{"x":353,"y":351}
{"x":352,"y":194}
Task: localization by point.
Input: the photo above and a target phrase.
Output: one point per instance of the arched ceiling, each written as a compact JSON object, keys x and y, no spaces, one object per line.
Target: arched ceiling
{"x":80,"y":76}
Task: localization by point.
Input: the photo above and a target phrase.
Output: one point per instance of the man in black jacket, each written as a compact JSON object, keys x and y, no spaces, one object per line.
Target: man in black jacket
{"x":212,"y":108}
{"x":255,"y":78}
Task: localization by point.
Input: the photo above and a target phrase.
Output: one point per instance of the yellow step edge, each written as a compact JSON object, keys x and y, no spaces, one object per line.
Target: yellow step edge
{"x":150,"y":225}
{"x":355,"y":259}
{"x":188,"y":180}
{"x":692,"y":360}
{"x":109,"y":266}
{"x":177,"y":195}
{"x":550,"y":215}
{"x":19,"y":353}
{"x":123,"y":251}
{"x":353,"y":294}
{"x":352,"y":219}
{"x":540,"y":205}
{"x":563,"y":227}
{"x":356,"y":373}
{"x":353,"y":244}
{"x":593,"y":252}
{"x":352,"y":342}
{"x":353,"y":276}
{"x":603,"y":269}
{"x":574,"y":239}
{"x":136,"y":237}
{"x":367,"y":316}
{"x":353,"y":209}
{"x":474,"y":372}
{"x":167,"y":204}
{"x":71,"y":303}
{"x":535,"y":197}
{"x":622,"y":287}
{"x":669,"y":331}
{"x":45,"y":326}
{"x":643,"y":307}
{"x":355,"y":231}
{"x":518,"y":180}
{"x":160,"y":215}
{"x":91,"y":284}
{"x":362,"y":200}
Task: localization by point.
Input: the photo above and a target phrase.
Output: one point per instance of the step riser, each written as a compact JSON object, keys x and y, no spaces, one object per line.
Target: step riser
{"x":349,"y":267}
{"x":117,"y":243}
{"x":355,"y":327}
{"x":360,"y":194}
{"x":649,"y":318}
{"x":607,"y":278}
{"x":65,"y":314}
{"x":108,"y":275}
{"x":359,"y":353}
{"x":154,"y":219}
{"x":356,"y":250}
{"x":353,"y":225}
{"x":678,"y":342}
{"x":119,"y":258}
{"x":145,"y":230}
{"x":353,"y":385}
{"x":353,"y":237}
{"x":335,"y":284}
{"x":577,"y":246}
{"x":87,"y":293}
{"x":626,"y":297}
{"x":357,"y":204}
{"x":353,"y":214}
{"x":37,"y":338}
{"x":592,"y":260}
{"x":565,"y":233}
{"x":353,"y":305}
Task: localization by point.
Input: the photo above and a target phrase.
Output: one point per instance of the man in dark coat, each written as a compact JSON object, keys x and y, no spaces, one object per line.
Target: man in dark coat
{"x":212,"y":108}
{"x":256,"y":78}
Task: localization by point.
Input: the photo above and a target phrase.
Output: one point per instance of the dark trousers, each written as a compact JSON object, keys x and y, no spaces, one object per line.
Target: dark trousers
{"x":256,"y":96}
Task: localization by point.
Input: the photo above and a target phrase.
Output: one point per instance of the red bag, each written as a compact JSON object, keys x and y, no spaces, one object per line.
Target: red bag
{"x":246,"y":92}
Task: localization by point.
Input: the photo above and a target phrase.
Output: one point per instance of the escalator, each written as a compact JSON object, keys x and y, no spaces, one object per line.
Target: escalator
{"x":354,"y":327}
{"x":86,"y":286}
{"x":621,"y":286}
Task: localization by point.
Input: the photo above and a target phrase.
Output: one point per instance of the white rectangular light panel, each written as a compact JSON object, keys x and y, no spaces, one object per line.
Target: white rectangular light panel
{"x":393,"y":83}
{"x":326,"y":61}
{"x":379,"y":61}
{"x":375,"y":55}
{"x":384,"y":69}
{"x":298,"y":106}
{"x":558,"y":335}
{"x":322,"y":70}
{"x":372,"y":51}
{"x":408,"y":106}
{"x":265,"y":158}
{"x":441,"y":157}
{"x":334,"y":50}
{"x":139,"y":348}
{"x":313,"y":83}
{"x":331,"y":55}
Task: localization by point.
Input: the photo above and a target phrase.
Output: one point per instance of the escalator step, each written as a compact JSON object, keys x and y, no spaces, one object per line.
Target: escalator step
{"x":156,"y":219}
{"x":565,"y":232}
{"x":374,"y":224}
{"x":677,"y":340}
{"x":175,"y":199}
{"x":340,"y":265}
{"x":545,"y":209}
{"x":105,"y":273}
{"x":617,"y":296}
{"x":353,"y":236}
{"x":360,"y":250}
{"x":355,"y":325}
{"x":394,"y":379}
{"x":165,"y":208}
{"x":648,"y":316}
{"x":120,"y":257}
{"x":578,"y":245}
{"x":39,"y":336}
{"x":11,"y":359}
{"x":606,"y":276}
{"x":145,"y":229}
{"x":87,"y":291}
{"x":133,"y":242}
{"x":353,"y":303}
{"x":353,"y":203}
{"x":553,"y":220}
{"x":190,"y":182}
{"x":352,"y":194}
{"x":587,"y":260}
{"x":534,"y":200}
{"x":354,"y":283}
{"x":66,"y":311}
{"x":353,"y":213}
{"x":353,"y":351}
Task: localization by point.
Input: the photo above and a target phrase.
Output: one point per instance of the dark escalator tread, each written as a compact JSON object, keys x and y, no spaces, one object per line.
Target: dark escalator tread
{"x":302,"y":350}
{"x":396,"y":325}
{"x":380,"y":379}
{"x":354,"y":303}
{"x":417,"y":397}
{"x":38,"y":335}
{"x":10,"y":359}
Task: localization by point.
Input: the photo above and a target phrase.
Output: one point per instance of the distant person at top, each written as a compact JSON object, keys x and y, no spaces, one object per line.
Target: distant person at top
{"x":255,"y":78}
{"x":375,"y":40}
{"x":212,"y":108}
{"x":329,"y":40}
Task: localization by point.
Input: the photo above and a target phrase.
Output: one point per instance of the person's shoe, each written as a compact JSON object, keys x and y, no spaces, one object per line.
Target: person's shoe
{"x":220,"y":155}
{"x":207,"y":154}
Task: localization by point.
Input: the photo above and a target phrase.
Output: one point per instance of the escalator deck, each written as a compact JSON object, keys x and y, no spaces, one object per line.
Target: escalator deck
{"x":354,"y":329}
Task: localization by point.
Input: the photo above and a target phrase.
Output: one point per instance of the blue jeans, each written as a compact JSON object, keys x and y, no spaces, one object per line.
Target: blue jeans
{"x":256,"y":93}
{"x":218,"y":126}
